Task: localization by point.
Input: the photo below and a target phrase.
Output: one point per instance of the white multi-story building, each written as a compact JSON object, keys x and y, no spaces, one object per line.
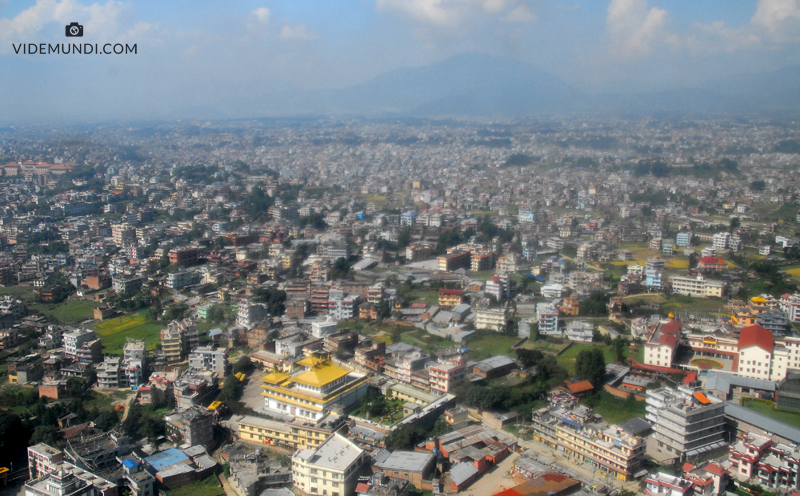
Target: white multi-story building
{"x":250,"y":313}
{"x":720,"y":241}
{"x":499,"y":287}
{"x":133,"y":370}
{"x":491,"y":318}
{"x":547,"y":318}
{"x":686,"y":422}
{"x":683,"y":238}
{"x":108,"y":373}
{"x":331,"y":469}
{"x":790,"y":306}
{"x":210,"y":358}
{"x":342,"y":306}
{"x":179,"y":280}
{"x":580,"y":331}
{"x":73,"y":341}
{"x":697,"y":286}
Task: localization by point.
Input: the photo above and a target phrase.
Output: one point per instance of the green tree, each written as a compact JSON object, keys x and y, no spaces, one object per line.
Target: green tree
{"x":229,"y":391}
{"x":405,"y":437}
{"x":243,"y":365}
{"x":591,"y":366}
{"x":734,"y":224}
{"x":619,"y":344}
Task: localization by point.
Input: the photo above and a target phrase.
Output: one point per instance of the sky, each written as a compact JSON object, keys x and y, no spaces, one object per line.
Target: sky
{"x":233,"y":59}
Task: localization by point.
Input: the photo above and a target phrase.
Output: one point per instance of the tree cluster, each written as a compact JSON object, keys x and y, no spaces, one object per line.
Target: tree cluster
{"x":591,"y":366}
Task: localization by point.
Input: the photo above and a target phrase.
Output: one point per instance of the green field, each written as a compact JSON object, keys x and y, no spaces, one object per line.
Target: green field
{"x":765,"y":408}
{"x":209,"y":486}
{"x":113,"y":332}
{"x":67,"y":312}
{"x":547,"y":347}
{"x":616,"y":410}
{"x":485,"y":344}
{"x":568,"y":358}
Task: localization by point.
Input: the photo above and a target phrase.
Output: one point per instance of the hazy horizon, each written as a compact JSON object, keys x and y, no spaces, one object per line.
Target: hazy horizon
{"x":258,"y":58}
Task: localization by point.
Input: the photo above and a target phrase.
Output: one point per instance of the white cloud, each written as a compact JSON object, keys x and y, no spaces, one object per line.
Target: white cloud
{"x":780,"y":18}
{"x":297,"y":33}
{"x":100,"y":21}
{"x":520,"y":13}
{"x":448,"y":13}
{"x":262,"y":14}
{"x":634,"y":27}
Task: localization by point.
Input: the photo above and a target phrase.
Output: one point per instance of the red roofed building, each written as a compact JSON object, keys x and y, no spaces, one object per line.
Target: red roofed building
{"x":662,"y":343}
{"x":756,"y":347}
{"x":712,"y":263}
{"x":449,"y":298}
{"x":580,"y":389}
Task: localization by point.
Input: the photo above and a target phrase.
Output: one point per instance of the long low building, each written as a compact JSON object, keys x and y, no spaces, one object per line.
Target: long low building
{"x":289,"y":435}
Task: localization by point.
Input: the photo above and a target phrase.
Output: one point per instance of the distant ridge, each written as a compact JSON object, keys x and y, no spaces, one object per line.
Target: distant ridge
{"x":478,"y":85}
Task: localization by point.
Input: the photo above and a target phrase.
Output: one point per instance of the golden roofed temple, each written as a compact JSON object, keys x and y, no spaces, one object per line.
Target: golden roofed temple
{"x":310,"y":393}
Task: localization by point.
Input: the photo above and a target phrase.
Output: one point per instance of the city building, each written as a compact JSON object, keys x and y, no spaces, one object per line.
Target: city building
{"x":331,"y":469}
{"x":580,"y":331}
{"x":696,"y":286}
{"x":193,"y":426}
{"x":210,"y":358}
{"x":547,"y":318}
{"x":494,"y":319}
{"x":686,"y":422}
{"x":582,"y":438}
{"x":74,"y":340}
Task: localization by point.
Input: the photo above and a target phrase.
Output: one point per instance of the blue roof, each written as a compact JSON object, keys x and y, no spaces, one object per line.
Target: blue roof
{"x":129,"y":463}
{"x":166,"y":458}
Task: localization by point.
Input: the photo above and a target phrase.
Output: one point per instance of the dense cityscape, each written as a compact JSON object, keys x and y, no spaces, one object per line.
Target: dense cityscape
{"x":393,"y":307}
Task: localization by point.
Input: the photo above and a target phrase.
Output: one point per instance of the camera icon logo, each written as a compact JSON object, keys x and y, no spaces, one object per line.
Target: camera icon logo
{"x":74,"y":30}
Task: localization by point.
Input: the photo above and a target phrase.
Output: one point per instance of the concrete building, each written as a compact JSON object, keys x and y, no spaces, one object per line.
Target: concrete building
{"x":331,"y":469}
{"x":193,"y":426}
{"x":580,"y":331}
{"x":251,"y":313}
{"x":494,"y":319}
{"x":289,"y":435}
{"x":125,"y":284}
{"x":179,"y":280}
{"x":210,"y":358}
{"x":108,"y":373}
{"x":342,"y":306}
{"x":408,"y":466}
{"x":133,"y":369}
{"x":696,"y":286}
{"x":686,"y":422}
{"x":499,"y":287}
{"x":547,"y":318}
{"x":581,"y":437}
{"x":74,"y":340}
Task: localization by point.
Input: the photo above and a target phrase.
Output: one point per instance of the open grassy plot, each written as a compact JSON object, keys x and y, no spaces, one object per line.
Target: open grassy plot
{"x":67,"y":312}
{"x":616,"y":410}
{"x":765,"y":408}
{"x":484,"y":344}
{"x":210,"y":486}
{"x":70,"y":311}
{"x":568,"y":358}
{"x":113,"y":332}
{"x":544,"y":346}
{"x":794,"y":272}
{"x":429,"y":297}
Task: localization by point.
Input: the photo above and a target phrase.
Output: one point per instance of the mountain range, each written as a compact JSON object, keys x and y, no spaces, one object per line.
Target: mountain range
{"x":476,"y":85}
